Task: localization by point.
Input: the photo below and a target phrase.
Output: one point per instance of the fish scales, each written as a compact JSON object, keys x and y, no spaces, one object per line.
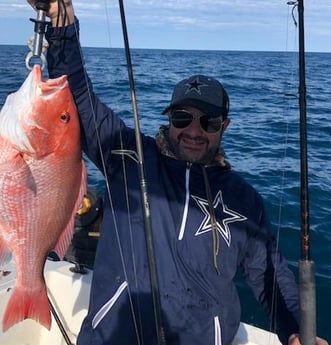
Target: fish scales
{"x":42,"y":184}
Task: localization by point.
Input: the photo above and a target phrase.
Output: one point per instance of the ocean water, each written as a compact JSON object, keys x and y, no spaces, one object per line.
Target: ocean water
{"x":262,"y":141}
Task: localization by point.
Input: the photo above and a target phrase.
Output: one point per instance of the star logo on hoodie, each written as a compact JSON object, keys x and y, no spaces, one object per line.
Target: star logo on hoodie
{"x":224,"y":217}
{"x":195,"y":86}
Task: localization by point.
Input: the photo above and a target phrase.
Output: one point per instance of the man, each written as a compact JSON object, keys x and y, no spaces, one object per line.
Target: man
{"x":206,"y":220}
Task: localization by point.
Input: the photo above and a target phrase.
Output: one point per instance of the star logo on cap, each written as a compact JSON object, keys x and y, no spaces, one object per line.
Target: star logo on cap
{"x":224,"y":215}
{"x":195,"y":86}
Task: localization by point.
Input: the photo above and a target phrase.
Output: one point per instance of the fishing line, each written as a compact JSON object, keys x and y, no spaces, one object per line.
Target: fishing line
{"x":306,"y":266}
{"x":307,"y":288}
{"x":159,"y":329}
{"x":108,"y":190}
{"x":285,"y":117}
{"x":144,"y":191}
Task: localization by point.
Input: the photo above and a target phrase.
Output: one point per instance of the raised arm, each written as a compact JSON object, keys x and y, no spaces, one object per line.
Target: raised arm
{"x":99,"y":125}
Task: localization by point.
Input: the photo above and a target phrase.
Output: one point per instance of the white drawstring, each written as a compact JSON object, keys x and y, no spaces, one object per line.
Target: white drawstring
{"x":187,"y":199}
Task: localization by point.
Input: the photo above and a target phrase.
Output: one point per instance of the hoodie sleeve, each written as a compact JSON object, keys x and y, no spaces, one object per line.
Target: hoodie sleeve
{"x":271,"y":280}
{"x":101,"y":130}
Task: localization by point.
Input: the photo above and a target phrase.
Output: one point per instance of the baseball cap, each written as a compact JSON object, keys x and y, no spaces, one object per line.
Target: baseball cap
{"x":202,"y":92}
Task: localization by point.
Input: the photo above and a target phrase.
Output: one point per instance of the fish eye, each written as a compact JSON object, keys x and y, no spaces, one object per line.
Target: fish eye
{"x":65,"y":117}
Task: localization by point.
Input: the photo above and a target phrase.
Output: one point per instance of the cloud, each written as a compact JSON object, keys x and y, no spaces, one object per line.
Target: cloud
{"x":244,"y":20}
{"x":10,"y":8}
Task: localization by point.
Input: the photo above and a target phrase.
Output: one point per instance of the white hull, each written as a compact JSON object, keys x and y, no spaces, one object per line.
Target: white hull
{"x":69,"y":294}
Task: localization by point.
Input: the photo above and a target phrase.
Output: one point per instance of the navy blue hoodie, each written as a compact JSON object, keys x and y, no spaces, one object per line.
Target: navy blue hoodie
{"x":199,"y":300}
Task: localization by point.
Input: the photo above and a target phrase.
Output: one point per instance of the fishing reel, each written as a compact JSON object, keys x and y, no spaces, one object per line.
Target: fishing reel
{"x":38,"y":45}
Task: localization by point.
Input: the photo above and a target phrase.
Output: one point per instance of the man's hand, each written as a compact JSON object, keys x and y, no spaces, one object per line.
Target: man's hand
{"x":295,"y":340}
{"x":61,"y":13}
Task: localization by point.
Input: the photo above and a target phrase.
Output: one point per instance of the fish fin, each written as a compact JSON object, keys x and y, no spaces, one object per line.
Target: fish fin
{"x":66,"y":236}
{"x":27,"y":305}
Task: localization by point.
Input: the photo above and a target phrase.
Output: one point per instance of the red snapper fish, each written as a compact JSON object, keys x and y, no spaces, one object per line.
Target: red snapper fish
{"x":42,"y":184}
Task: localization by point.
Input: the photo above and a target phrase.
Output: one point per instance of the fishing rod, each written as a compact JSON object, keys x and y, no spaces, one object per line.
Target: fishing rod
{"x":307,"y":286}
{"x":144,"y":193}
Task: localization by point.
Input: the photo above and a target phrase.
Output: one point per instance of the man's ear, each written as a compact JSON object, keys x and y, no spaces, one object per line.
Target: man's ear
{"x":226,"y":123}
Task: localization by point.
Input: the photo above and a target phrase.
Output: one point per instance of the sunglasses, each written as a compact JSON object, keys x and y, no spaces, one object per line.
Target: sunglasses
{"x":183,"y":118}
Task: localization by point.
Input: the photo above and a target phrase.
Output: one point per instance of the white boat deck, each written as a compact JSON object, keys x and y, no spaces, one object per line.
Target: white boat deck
{"x":72,"y":290}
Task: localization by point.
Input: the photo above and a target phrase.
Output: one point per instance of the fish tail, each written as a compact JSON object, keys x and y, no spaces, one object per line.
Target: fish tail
{"x":27,"y":305}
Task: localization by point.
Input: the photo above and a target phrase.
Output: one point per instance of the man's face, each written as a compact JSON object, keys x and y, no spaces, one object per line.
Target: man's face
{"x":192,"y":143}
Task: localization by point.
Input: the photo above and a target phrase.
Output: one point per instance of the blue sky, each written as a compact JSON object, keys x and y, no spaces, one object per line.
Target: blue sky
{"x":184,"y":24}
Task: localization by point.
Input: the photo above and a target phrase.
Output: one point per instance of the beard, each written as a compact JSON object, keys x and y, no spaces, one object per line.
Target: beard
{"x":204,"y":155}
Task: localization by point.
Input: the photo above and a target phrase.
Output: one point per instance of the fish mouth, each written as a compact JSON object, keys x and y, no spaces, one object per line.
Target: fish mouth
{"x":47,"y":87}
{"x":19,"y":116}
{"x":36,"y":70}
